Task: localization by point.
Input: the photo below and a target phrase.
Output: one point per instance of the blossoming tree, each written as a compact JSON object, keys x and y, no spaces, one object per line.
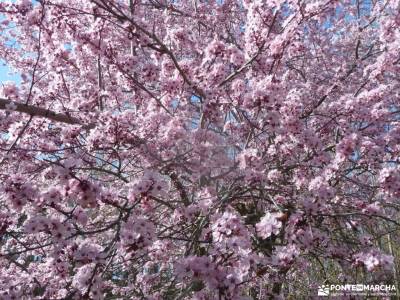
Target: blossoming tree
{"x":225,"y":149}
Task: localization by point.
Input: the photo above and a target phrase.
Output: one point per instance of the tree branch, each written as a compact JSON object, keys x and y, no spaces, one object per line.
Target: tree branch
{"x":40,"y":112}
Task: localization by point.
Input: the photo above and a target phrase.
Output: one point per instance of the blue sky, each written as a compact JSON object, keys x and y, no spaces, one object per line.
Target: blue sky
{"x":4,"y":69}
{"x":5,"y":74}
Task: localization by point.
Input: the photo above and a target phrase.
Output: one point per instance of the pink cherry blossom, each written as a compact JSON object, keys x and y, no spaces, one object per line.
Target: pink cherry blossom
{"x":269,"y":224}
{"x":224,"y":150}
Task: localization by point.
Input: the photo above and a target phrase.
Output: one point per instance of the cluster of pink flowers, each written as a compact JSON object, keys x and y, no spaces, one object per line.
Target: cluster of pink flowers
{"x":86,"y":279}
{"x":268,"y":225}
{"x":229,"y":233}
{"x":85,"y":193}
{"x":54,"y":227}
{"x":10,"y":91}
{"x":374,"y":259}
{"x":227,"y":150}
{"x":150,"y":184}
{"x":389,"y":179}
{"x":137,"y":234}
{"x":18,"y":191}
